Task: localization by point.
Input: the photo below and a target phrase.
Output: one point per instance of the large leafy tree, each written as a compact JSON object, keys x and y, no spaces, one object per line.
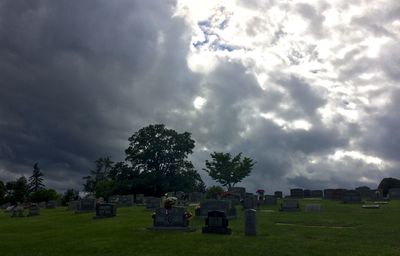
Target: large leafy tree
{"x":36,"y":180}
{"x":228,"y":170}
{"x":387,"y":183}
{"x":160,"y":155}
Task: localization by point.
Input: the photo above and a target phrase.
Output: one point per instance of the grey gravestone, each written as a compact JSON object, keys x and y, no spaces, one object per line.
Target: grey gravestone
{"x":278,"y":194}
{"x":249,"y":202}
{"x":17,"y":211}
{"x":296,"y":193}
{"x":86,"y":205}
{"x":307,"y":193}
{"x":126,"y":200}
{"x":73,"y":205}
{"x":338,"y":194}
{"x":370,"y":206}
{"x":328,"y":193}
{"x":234,"y":198}
{"x":316,"y":193}
{"x":250,"y":227}
{"x":290,"y":205}
{"x":105,"y":210}
{"x":270,"y":200}
{"x":394,"y":193}
{"x":216,"y":223}
{"x":34,"y":210}
{"x":171,"y":219}
{"x":351,"y":196}
{"x":312,"y":208}
{"x":51,"y":204}
{"x":239,"y":191}
{"x":366,"y":192}
{"x":139,"y":199}
{"x":216,"y":205}
{"x":153,"y":203}
{"x":195,"y":197}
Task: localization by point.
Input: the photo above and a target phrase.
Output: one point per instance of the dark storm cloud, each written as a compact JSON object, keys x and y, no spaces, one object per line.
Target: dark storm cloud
{"x":78,"y":78}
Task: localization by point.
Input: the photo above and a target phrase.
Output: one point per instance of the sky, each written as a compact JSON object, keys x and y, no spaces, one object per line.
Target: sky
{"x":308,"y":89}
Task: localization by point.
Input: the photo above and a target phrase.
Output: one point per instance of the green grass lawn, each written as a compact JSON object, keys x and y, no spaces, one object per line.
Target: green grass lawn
{"x":339,"y":230}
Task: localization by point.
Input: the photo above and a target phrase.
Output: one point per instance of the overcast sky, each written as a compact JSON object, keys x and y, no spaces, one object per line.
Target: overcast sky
{"x":308,"y":89}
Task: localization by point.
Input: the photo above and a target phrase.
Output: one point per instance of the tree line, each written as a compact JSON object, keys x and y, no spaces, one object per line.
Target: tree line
{"x":157,"y":161}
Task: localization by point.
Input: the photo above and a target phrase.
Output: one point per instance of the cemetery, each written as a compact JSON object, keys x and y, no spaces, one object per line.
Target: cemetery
{"x":339,"y":227}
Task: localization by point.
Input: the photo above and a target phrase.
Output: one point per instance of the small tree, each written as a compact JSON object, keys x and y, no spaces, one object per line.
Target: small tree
{"x":36,"y":180}
{"x":69,"y":195}
{"x":227,"y":170}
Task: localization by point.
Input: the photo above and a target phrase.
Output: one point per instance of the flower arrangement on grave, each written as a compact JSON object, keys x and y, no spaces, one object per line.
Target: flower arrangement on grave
{"x":260,"y":192}
{"x":188,"y":215}
{"x":169,"y":202}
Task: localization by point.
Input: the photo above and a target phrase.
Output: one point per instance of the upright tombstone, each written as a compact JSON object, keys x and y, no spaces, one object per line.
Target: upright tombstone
{"x":296,"y":193}
{"x":195,"y":197}
{"x":338,"y":194}
{"x":17,"y":211}
{"x":278,"y":194}
{"x":239,"y":191}
{"x":51,"y":204}
{"x":394,"y":193}
{"x":216,"y":223}
{"x":216,"y":205}
{"x":73,"y":205}
{"x":290,"y":205}
{"x":312,"y":208}
{"x":351,"y":197}
{"x":171,"y":219}
{"x":328,"y":193}
{"x":139,"y":199}
{"x":86,"y":205}
{"x":126,"y":200}
{"x":105,"y":210}
{"x":316,"y":193}
{"x":234,"y":198}
{"x":153,"y":203}
{"x":249,"y":202}
{"x":34,"y":210}
{"x":307,"y":193}
{"x":270,"y":200}
{"x":250,"y":227}
{"x":366,"y":192}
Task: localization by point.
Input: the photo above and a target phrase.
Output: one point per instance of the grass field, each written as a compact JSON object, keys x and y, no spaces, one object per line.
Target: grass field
{"x":339,"y":230}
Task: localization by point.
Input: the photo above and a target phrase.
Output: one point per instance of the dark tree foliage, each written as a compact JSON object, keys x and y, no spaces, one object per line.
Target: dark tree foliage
{"x":2,"y":192}
{"x":36,"y":180}
{"x":127,"y":180}
{"x":160,"y":156}
{"x":227,"y":170}
{"x":17,"y":191}
{"x":388,"y":183}
{"x":43,"y":195}
{"x":103,"y":166}
{"x":69,"y":195}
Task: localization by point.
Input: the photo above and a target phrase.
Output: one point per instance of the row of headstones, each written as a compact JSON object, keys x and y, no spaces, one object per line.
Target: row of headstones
{"x":341,"y":194}
{"x":216,"y":221}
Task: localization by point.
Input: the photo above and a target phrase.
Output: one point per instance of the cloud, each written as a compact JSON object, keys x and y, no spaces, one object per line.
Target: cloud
{"x":307,"y":90}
